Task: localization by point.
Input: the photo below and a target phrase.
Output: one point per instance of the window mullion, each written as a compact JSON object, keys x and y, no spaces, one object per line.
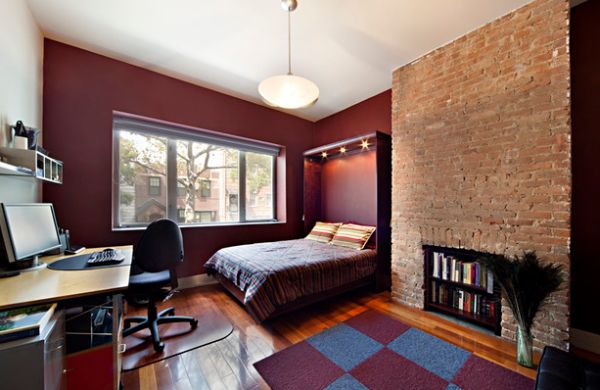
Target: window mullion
{"x":274,"y":187}
{"x":172,"y":179}
{"x":242,"y":187}
{"x":116,"y":197}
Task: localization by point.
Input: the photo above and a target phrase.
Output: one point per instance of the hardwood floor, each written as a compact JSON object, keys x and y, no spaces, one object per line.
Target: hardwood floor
{"x":227,"y":364}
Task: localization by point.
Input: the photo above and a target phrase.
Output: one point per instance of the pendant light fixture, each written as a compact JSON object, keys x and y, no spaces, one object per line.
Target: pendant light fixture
{"x":288,"y":91}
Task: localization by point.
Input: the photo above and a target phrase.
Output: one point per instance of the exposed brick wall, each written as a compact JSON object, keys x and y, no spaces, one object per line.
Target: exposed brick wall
{"x":481,"y":152}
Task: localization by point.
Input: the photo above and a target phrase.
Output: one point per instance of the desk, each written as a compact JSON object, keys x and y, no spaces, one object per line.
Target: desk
{"x":46,"y":285}
{"x":49,"y":286}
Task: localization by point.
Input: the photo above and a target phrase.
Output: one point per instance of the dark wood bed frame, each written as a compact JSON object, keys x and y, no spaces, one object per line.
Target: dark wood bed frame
{"x":300,"y":302}
{"x":381,"y":280}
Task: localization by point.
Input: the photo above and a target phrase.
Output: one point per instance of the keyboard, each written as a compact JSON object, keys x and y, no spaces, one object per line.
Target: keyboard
{"x":105,"y":257}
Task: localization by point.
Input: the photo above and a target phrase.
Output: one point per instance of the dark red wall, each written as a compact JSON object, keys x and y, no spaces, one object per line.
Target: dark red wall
{"x":349,"y":189}
{"x":81,"y":90}
{"x":348,"y":184}
{"x":365,"y":117}
{"x":585,"y":106}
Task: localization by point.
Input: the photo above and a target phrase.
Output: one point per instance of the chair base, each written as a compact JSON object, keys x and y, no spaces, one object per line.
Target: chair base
{"x":151,"y":322}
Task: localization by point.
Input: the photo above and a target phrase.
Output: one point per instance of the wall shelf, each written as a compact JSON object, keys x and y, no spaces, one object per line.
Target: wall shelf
{"x":30,"y":163}
{"x":13,"y":170}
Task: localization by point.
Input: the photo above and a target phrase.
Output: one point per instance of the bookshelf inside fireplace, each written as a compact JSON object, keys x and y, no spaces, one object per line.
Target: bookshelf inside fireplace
{"x":464,"y":295}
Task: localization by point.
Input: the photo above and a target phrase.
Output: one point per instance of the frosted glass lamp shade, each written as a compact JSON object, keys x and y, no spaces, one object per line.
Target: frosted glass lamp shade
{"x":288,"y":91}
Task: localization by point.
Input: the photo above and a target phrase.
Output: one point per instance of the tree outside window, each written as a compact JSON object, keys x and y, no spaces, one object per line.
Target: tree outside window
{"x":259,"y":186}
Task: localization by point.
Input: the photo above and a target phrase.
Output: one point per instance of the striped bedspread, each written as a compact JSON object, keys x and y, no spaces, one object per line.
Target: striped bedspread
{"x":274,"y":273}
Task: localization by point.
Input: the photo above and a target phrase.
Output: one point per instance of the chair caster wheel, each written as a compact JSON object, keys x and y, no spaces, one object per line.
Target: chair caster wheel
{"x":158,"y":347}
{"x":194,"y":324}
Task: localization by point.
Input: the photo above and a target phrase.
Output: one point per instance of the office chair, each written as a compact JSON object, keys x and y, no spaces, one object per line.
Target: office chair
{"x":154,"y":278}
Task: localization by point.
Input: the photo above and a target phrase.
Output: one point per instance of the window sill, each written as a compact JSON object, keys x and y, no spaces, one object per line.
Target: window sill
{"x":202,"y":226}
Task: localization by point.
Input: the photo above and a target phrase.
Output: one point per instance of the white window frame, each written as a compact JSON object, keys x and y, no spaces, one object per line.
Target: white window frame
{"x":173,"y":133}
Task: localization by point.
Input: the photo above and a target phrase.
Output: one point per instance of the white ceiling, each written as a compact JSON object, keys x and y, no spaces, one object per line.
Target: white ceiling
{"x":348,"y":47}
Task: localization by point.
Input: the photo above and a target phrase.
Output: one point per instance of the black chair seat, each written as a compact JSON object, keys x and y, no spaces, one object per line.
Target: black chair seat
{"x":148,"y":280}
{"x":591,"y":374}
{"x":560,"y":370}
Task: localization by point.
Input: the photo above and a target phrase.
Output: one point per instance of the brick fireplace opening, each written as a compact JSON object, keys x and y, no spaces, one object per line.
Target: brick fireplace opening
{"x":482,"y":153}
{"x":456,"y":284}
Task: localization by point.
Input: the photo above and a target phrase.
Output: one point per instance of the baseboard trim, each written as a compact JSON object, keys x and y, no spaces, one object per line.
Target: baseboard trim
{"x":196,"y":281}
{"x":585,"y":340}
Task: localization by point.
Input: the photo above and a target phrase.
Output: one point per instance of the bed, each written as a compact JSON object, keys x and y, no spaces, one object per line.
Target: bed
{"x":273,"y":278}
{"x":354,"y":186}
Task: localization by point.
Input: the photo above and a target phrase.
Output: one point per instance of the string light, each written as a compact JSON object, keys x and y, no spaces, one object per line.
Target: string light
{"x":343,"y":150}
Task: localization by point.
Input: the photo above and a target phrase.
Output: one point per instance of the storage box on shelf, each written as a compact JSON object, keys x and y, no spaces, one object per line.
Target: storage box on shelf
{"x":456,"y":285}
{"x":21,"y":162}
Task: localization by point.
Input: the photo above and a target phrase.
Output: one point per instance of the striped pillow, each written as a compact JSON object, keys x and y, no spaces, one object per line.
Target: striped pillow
{"x":352,"y":236}
{"x":323,"y":231}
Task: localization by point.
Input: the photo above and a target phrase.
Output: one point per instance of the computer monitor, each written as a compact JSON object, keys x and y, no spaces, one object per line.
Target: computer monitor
{"x":28,"y":230}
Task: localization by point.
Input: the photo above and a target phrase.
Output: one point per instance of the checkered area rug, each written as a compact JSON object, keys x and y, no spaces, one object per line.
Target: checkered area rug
{"x":374,"y":351}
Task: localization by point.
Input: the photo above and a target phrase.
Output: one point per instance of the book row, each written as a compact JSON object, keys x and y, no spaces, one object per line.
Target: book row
{"x":471,"y":273}
{"x":465,"y":301}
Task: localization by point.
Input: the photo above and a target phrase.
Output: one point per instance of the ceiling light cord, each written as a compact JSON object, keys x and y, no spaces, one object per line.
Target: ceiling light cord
{"x":288,"y":91}
{"x":289,"y":42}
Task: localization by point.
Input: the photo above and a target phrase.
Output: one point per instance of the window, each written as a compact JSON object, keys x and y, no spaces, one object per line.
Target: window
{"x":153,"y":185}
{"x":181,"y":186}
{"x":234,"y":204}
{"x":196,"y":163}
{"x":142,"y":157}
{"x":259,"y":186}
{"x":205,"y":216}
{"x":189,"y":178}
{"x":205,"y":188}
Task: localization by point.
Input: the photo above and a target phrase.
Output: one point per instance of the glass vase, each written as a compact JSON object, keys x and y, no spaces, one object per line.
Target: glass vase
{"x":524,"y":347}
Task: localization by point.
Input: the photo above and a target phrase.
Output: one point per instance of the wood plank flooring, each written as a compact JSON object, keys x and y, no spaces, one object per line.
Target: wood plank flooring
{"x":227,"y":364}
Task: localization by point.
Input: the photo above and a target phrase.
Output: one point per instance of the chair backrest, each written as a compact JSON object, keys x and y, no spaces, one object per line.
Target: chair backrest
{"x":160,"y":248}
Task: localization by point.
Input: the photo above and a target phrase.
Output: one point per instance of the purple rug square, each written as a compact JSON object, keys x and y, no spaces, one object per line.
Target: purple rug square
{"x":300,"y":367}
{"x":378,"y":326}
{"x":478,"y":373}
{"x":388,"y":370}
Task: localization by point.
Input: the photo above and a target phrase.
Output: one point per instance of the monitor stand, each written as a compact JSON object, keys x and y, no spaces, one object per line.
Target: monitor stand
{"x":36,"y":265}
{"x":33,"y":264}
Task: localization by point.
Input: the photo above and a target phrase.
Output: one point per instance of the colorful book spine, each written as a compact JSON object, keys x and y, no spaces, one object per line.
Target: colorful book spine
{"x":436,"y":264}
{"x":470,"y":273}
{"x":462,"y":300}
{"x":490,"y":283}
